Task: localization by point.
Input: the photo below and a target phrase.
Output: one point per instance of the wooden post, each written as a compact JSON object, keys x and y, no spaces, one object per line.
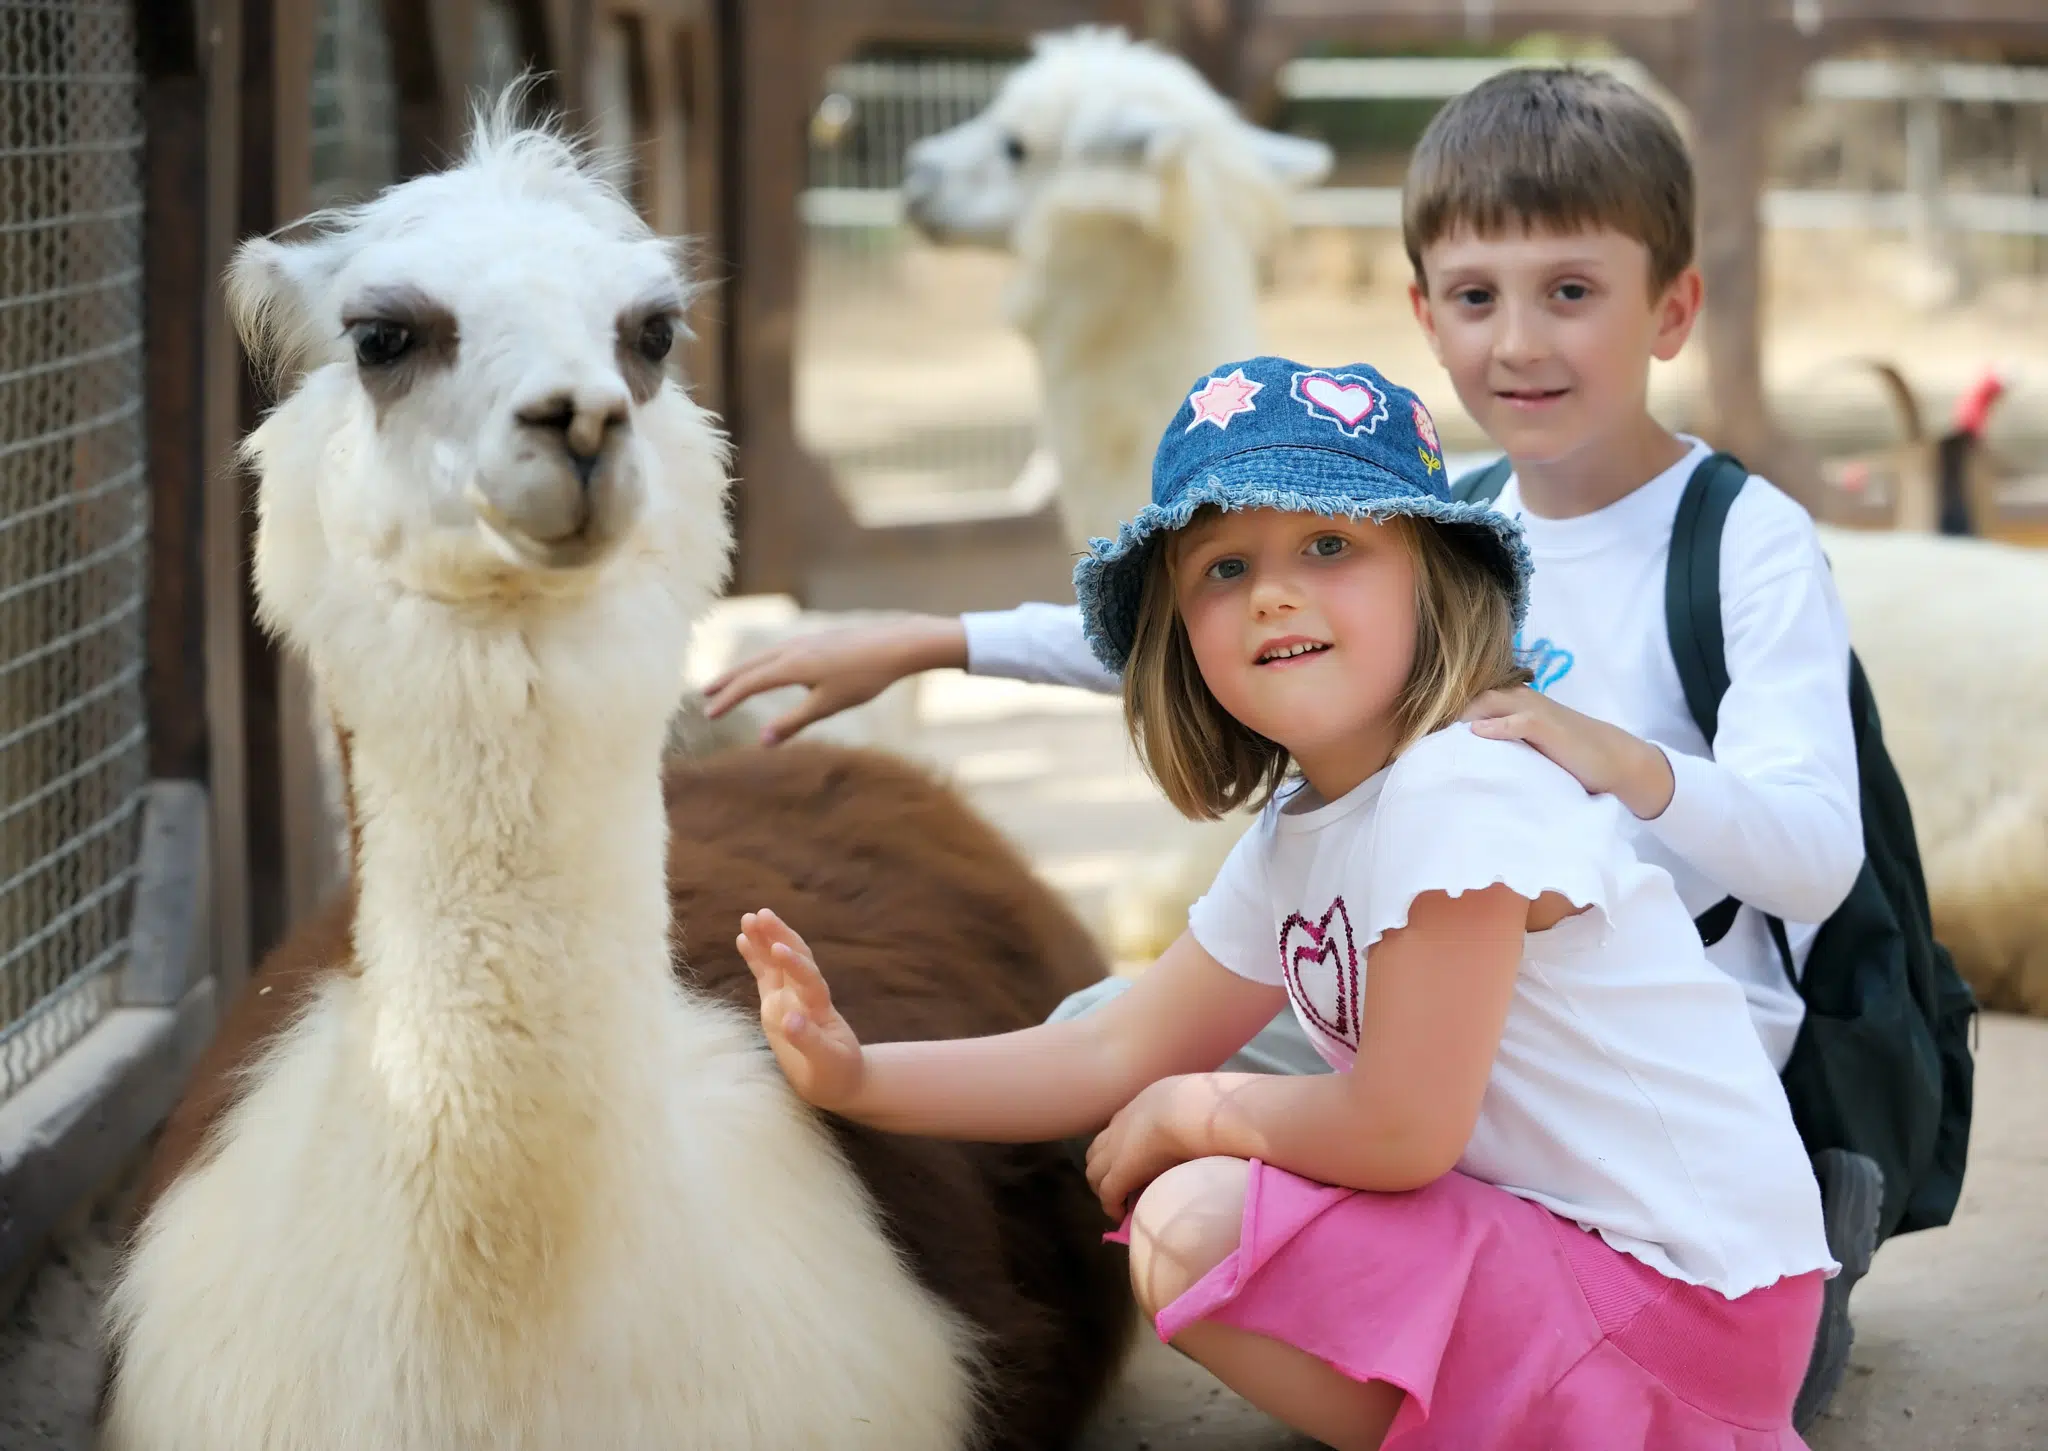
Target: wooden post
{"x":1212,"y":35}
{"x":787,"y":510}
{"x":1738,"y":75}
{"x":276,"y":54}
{"x":175,"y":286}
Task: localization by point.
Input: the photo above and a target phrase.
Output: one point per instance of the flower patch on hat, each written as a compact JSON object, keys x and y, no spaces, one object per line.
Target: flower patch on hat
{"x":1425,"y":429}
{"x":1221,"y":399}
{"x":1354,"y":404}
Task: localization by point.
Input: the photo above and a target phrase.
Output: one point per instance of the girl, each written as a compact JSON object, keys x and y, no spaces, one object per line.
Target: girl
{"x":1551,"y":1197}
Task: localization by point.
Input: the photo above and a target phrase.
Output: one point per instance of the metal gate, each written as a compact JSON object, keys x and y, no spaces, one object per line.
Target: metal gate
{"x":74,"y":511}
{"x":909,"y":382}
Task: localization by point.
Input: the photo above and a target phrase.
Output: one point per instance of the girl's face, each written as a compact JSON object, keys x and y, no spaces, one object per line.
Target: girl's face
{"x":1304,"y":630}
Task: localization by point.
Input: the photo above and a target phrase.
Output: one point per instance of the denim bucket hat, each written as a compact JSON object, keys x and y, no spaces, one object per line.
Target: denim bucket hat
{"x":1268,"y":433}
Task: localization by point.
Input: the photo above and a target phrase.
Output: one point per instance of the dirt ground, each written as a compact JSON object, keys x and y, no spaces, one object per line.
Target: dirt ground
{"x":1952,"y":1324}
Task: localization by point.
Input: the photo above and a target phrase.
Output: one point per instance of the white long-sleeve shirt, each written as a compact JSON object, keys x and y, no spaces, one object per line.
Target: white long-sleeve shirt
{"x":1768,"y":813}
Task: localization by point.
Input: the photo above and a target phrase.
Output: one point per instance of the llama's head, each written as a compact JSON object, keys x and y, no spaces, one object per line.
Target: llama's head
{"x":481,"y":440}
{"x":1097,"y":124}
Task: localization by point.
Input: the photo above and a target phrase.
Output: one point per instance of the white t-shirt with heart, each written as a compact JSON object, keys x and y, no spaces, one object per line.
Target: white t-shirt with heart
{"x":1630,"y":1094}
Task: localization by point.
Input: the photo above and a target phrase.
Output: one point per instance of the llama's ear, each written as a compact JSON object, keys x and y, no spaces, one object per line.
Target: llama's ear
{"x":270,"y":289}
{"x":1294,"y":162}
{"x":1126,"y":134}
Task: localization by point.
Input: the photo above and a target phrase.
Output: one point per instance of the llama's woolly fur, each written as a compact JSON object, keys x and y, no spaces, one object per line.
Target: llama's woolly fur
{"x":497,"y":1179}
{"x":1946,"y":629}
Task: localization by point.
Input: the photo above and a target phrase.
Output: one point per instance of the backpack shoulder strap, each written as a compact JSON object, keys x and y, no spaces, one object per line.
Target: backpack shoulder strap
{"x":1692,"y":619}
{"x":1483,"y":484}
{"x":1692,"y":587}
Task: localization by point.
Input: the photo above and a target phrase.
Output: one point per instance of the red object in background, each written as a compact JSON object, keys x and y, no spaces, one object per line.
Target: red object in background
{"x":1974,"y":407}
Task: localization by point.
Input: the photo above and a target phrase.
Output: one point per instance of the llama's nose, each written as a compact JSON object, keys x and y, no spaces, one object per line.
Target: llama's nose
{"x":584,"y":421}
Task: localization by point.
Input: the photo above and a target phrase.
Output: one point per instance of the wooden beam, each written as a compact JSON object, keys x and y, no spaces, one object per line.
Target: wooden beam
{"x":175,"y":286}
{"x":225,"y":602}
{"x":273,"y":184}
{"x":1738,"y":82}
{"x":429,"y":107}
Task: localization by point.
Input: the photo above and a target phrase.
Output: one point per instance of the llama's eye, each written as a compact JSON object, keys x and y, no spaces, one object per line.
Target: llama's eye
{"x":380,"y":341}
{"x":657,"y":336}
{"x":1013,"y":149}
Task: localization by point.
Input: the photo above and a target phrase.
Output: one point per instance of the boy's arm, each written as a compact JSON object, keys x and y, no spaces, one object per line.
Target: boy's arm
{"x":1037,"y":642}
{"x":1775,"y":817}
{"x":844,"y":667}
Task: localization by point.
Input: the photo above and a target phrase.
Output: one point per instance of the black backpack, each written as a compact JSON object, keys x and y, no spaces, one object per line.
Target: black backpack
{"x":1882,"y":1064}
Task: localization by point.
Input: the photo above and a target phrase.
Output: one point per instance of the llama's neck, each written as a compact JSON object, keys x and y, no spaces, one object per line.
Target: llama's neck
{"x":512,"y":966}
{"x":1124,"y":323}
{"x":509,"y":873}
{"x":512,"y":911}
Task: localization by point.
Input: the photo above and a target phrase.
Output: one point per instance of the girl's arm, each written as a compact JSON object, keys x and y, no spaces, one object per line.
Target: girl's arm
{"x":1436,"y":1002}
{"x":1186,"y":1014}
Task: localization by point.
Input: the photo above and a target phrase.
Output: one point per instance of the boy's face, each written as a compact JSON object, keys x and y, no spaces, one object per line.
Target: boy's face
{"x":1548,"y":336}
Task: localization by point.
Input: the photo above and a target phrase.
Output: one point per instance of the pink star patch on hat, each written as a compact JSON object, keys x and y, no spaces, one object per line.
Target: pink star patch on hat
{"x":1221,"y":399}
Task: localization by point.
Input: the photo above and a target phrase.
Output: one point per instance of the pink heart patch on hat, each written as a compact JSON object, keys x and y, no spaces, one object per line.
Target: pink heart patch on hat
{"x":1354,"y":404}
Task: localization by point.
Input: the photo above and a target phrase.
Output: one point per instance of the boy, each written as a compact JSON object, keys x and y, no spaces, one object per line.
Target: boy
{"x":1548,"y":216}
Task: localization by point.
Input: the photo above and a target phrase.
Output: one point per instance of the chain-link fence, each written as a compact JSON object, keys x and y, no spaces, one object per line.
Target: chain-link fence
{"x":910,"y":383}
{"x":74,"y":516}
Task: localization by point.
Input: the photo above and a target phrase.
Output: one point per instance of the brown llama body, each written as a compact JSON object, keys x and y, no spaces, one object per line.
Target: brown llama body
{"x":931,"y":926}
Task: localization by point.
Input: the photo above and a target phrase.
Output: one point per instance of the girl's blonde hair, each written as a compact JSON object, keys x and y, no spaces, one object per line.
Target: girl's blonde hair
{"x":1209,"y":763}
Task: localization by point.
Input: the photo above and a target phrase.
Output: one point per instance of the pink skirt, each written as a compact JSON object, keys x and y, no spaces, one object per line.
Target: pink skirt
{"x":1509,"y":1328}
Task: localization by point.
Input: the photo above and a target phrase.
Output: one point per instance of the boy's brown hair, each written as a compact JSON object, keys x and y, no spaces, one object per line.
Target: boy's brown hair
{"x":1209,"y":763}
{"x":1553,"y":148}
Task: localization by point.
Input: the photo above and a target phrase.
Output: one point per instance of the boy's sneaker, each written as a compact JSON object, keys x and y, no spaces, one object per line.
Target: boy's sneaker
{"x":1851,"y":1195}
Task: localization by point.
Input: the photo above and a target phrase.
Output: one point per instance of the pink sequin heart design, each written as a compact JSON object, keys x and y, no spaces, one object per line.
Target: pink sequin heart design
{"x":1331,"y":1001}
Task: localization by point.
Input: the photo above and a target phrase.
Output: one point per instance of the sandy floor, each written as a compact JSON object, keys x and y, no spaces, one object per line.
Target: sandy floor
{"x":1952,"y":1325}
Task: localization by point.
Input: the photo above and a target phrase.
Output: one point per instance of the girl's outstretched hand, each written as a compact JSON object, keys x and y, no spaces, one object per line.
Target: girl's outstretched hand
{"x":818,"y":1051}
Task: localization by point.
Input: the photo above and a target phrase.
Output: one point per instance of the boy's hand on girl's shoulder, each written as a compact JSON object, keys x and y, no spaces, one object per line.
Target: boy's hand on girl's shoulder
{"x":1605,"y":759}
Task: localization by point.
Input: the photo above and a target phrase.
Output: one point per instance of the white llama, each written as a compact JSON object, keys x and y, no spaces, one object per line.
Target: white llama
{"x":469,"y":1167}
{"x":1139,"y":204}
{"x":1948,"y":630}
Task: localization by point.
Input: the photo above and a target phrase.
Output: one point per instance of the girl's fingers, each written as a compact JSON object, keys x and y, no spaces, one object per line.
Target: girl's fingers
{"x":767,"y":972}
{"x":804,"y":979}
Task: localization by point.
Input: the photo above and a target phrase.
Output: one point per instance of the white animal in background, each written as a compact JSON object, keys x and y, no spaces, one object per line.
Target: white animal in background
{"x":1950,"y":632}
{"x":1139,"y":204}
